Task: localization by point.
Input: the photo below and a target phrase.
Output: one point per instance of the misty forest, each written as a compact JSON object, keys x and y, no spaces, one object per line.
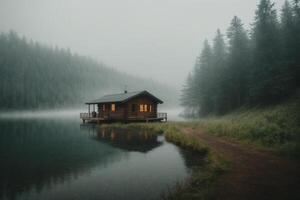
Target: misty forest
{"x":35,"y":76}
{"x":252,"y":68}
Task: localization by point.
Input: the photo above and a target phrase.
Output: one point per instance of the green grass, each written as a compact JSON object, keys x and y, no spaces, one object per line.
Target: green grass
{"x":276,"y":128}
{"x":171,"y":132}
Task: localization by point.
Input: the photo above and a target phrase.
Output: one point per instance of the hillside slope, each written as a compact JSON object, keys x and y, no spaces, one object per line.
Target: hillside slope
{"x":34,"y":76}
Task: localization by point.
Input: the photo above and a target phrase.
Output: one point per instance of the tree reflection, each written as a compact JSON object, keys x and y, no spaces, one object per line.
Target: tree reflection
{"x":39,"y":154}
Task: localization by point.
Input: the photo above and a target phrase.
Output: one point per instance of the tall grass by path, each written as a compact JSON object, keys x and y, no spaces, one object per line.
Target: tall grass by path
{"x":274,"y":127}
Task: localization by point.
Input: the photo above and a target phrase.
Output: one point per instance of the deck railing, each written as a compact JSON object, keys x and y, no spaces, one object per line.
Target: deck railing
{"x":89,"y":115}
{"x":101,"y":115}
{"x":85,"y":115}
{"x":162,"y":115}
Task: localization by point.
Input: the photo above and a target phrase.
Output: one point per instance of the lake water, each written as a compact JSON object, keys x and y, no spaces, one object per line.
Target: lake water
{"x":59,"y":158}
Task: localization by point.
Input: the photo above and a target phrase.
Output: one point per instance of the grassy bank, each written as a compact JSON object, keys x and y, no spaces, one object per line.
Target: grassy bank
{"x":171,"y":132}
{"x":201,"y":185}
{"x":276,"y":127}
{"x":204,"y":176}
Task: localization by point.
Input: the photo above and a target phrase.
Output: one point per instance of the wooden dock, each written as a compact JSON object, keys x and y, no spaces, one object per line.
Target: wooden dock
{"x":95,"y":118}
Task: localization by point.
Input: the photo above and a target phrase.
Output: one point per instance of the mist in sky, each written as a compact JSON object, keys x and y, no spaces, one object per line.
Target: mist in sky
{"x":157,"y":39}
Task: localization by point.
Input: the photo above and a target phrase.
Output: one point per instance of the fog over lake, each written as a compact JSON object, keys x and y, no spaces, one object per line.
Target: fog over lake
{"x":173,"y":114}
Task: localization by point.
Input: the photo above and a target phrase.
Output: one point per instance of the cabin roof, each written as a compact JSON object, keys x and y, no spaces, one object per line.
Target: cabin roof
{"x":123,"y":97}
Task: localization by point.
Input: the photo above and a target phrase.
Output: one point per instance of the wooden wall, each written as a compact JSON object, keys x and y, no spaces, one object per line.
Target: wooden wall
{"x":124,"y":111}
{"x":138,"y":102}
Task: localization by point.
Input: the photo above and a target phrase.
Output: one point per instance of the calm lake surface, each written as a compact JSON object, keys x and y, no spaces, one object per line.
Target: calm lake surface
{"x":59,"y":158}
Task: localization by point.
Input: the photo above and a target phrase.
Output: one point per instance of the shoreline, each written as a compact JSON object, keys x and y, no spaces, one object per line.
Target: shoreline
{"x":204,"y":177}
{"x":229,"y":163}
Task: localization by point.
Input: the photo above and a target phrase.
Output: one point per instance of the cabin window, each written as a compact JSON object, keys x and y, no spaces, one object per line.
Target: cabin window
{"x":141,"y":108}
{"x":150,"y":108}
{"x":113,"y":107}
{"x":103,"y":107}
{"x":144,"y":108}
{"x":133,"y":107}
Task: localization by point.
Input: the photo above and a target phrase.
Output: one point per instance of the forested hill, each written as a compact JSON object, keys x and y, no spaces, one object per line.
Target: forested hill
{"x":36,"y":76}
{"x":254,"y":68}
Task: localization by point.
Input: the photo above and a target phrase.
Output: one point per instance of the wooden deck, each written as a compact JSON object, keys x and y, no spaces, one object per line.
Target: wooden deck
{"x":95,"y":118}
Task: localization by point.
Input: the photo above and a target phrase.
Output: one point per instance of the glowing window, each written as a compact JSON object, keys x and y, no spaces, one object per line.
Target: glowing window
{"x":150,"y":108}
{"x":113,"y":107}
{"x":141,"y":108}
{"x":145,"y":108}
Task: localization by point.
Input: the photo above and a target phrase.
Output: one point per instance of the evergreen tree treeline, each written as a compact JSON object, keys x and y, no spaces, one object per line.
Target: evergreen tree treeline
{"x":259,"y":68}
{"x":35,"y":76}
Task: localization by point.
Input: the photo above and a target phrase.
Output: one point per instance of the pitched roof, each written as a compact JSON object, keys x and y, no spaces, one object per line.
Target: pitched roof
{"x":122,"y":97}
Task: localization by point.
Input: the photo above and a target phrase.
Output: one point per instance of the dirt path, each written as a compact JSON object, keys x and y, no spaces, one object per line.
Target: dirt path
{"x":254,"y":174}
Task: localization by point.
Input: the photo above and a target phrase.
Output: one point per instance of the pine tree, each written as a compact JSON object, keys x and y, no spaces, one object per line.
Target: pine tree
{"x":289,"y":56}
{"x":187,"y":99}
{"x":287,"y":30}
{"x":204,"y":80}
{"x":296,"y":13}
{"x":265,"y":83}
{"x":238,"y":62}
{"x":219,"y":76}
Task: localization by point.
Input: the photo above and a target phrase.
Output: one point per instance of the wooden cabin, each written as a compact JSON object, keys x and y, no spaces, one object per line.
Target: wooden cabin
{"x":138,"y":106}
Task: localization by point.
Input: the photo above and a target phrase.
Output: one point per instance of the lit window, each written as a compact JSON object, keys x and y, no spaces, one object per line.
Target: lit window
{"x":145,"y":108}
{"x":103,"y":107}
{"x":150,"y":108}
{"x":141,"y":108}
{"x":113,"y":107}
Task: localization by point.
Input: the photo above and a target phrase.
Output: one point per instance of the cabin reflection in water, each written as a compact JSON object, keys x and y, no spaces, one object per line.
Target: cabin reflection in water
{"x":126,"y":139}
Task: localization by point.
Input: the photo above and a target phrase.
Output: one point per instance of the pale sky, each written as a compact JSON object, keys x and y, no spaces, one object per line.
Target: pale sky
{"x":157,"y":39}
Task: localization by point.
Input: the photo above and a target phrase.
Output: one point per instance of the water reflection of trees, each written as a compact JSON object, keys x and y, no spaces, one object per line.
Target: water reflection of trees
{"x":128,"y":139}
{"x":39,"y":154}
